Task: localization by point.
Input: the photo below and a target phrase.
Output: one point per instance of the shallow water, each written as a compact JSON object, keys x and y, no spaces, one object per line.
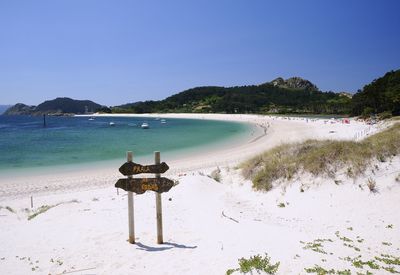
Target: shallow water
{"x":25,"y":143}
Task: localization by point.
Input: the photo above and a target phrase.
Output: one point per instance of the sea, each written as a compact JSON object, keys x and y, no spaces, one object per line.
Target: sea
{"x":26,"y":143}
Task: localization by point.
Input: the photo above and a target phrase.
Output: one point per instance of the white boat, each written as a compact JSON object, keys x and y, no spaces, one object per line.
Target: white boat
{"x":112,"y":123}
{"x":92,"y":118}
{"x":145,"y":125}
{"x":163,"y":121}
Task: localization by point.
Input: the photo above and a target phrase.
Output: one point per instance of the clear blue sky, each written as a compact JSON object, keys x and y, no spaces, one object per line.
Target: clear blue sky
{"x":115,"y":52}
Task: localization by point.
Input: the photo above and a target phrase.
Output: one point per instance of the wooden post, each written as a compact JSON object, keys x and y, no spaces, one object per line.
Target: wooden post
{"x":131,"y":221}
{"x":158,"y":205}
{"x":31,"y":201}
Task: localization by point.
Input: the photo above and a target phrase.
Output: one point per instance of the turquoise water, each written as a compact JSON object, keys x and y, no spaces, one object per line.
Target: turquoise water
{"x":25,"y":143}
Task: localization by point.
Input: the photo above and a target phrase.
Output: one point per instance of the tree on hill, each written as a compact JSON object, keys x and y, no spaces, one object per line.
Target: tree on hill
{"x":381,"y":95}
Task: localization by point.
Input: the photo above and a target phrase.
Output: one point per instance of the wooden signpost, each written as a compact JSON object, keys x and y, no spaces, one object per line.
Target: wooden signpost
{"x":141,"y":185}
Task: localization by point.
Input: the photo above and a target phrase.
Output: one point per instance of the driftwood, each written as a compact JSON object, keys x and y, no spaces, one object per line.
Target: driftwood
{"x":77,"y":270}
{"x":232,"y":219}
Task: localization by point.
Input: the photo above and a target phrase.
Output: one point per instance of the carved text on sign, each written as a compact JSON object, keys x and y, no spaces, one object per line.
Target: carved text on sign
{"x":131,"y":168}
{"x":139,"y":186}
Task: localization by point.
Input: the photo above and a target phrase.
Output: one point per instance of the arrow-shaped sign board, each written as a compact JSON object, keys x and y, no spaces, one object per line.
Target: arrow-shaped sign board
{"x":139,"y":186}
{"x":131,"y":168}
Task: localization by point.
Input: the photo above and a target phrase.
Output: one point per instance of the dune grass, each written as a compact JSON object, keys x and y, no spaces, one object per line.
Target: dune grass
{"x":321,"y":158}
{"x":44,"y":208}
{"x":255,"y":263}
{"x":216,"y":174}
{"x":8,"y":208}
{"x":40,"y":210}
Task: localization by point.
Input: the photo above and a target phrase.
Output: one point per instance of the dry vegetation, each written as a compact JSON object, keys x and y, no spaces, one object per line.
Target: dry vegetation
{"x":321,"y":158}
{"x":216,"y":174}
{"x":42,"y":209}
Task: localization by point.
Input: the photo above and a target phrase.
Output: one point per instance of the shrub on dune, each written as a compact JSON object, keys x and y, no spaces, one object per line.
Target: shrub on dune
{"x":321,"y":158}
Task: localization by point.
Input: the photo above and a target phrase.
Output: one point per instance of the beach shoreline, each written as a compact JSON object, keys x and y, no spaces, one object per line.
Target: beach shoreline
{"x":267,"y":132}
{"x":35,"y":180}
{"x":243,"y":134}
{"x":77,"y":221}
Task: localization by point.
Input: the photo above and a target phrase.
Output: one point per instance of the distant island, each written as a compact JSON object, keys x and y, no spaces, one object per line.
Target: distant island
{"x":294,"y":95}
{"x":58,"y":106}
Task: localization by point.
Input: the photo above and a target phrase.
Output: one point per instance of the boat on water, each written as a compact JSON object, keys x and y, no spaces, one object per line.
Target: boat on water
{"x":112,"y":123}
{"x":163,"y":121}
{"x":91,"y":118}
{"x":145,"y":125}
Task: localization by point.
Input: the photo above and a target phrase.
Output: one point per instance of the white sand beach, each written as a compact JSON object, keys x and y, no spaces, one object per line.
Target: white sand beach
{"x":208,"y":225}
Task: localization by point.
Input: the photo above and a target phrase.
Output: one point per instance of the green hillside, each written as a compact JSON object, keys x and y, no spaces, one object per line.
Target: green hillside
{"x":265,"y":98}
{"x":292,"y":96}
{"x":381,"y":95}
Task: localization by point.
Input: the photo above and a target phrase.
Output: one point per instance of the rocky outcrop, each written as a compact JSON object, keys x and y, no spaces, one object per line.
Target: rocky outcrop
{"x":297,"y":83}
{"x":346,"y":94}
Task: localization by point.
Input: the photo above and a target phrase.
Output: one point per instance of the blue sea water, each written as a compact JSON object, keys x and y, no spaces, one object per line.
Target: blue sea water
{"x":26,"y":143}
